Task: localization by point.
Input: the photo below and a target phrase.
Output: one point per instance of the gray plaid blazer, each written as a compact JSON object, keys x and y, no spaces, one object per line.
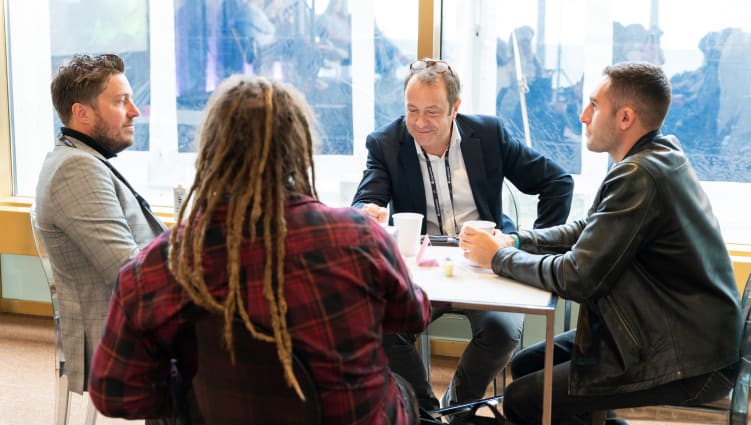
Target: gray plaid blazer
{"x":91,"y":224}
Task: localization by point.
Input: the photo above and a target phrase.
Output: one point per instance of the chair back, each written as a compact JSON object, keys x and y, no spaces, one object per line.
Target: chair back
{"x":510,"y":204}
{"x":253,"y":390}
{"x":512,"y":211}
{"x":47,"y":268}
{"x":62,"y":395}
{"x":41,"y":250}
{"x":739,"y":400}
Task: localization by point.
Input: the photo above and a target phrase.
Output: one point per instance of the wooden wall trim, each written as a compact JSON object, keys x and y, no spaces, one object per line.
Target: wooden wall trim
{"x":34,"y":308}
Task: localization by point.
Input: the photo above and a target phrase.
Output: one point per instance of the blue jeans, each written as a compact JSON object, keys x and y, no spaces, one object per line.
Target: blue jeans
{"x":495,"y":336}
{"x":522,"y":404}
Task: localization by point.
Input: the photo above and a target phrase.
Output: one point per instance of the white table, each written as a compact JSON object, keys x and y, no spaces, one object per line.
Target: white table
{"x":475,"y":288}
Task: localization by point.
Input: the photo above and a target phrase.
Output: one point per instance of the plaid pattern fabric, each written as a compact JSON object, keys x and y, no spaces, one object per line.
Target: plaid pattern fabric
{"x":345,"y":285}
{"x":252,"y":387}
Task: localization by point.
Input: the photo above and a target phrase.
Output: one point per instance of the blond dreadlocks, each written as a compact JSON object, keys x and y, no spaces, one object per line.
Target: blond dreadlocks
{"x":256,"y":147}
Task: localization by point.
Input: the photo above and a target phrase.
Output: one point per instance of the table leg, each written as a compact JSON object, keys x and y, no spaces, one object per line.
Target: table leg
{"x":547,"y":391}
{"x":425,"y":352}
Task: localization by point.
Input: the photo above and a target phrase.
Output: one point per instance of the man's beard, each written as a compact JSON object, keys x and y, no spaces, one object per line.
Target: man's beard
{"x":112,"y":145}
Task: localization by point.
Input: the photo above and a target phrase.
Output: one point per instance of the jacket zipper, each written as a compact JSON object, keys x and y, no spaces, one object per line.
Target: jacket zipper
{"x":624,"y":322}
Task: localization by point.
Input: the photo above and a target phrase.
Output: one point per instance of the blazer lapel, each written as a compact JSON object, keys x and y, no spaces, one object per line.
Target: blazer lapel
{"x":409,"y":168}
{"x":473,"y":161}
{"x":155,"y":222}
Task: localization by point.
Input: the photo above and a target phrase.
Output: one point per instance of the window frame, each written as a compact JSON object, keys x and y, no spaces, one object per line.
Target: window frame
{"x":429,"y":45}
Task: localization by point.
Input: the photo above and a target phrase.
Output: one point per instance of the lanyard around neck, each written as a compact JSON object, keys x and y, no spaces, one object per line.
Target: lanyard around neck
{"x":436,"y":202}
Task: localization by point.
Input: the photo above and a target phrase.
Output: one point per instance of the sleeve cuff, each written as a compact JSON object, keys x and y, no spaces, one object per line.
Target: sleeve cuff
{"x":517,"y":242}
{"x":496,"y":262}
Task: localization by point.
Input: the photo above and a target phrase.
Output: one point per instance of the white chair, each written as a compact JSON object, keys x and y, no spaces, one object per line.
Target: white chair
{"x":511,"y":209}
{"x":62,"y":395}
{"x":510,"y":204}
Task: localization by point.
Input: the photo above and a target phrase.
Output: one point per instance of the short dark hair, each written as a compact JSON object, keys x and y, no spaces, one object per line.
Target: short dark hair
{"x":81,"y":80}
{"x":644,"y":87}
{"x":429,"y":75}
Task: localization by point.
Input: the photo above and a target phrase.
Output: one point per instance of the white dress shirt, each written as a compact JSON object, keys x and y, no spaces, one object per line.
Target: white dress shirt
{"x":463,"y":208}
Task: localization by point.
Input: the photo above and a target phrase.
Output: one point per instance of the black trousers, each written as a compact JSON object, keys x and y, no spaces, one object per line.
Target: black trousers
{"x":495,"y":336}
{"x":522,"y":404}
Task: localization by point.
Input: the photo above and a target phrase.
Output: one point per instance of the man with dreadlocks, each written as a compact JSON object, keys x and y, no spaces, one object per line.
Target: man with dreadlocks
{"x":256,"y":244}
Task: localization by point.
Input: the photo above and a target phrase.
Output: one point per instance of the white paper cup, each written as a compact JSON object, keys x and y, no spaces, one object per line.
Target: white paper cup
{"x":482,"y":225}
{"x":408,"y":226}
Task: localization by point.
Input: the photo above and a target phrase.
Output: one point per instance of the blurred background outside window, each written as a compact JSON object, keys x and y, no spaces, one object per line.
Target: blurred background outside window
{"x":532,"y":63}
{"x":535,"y":63}
{"x":347,"y":57}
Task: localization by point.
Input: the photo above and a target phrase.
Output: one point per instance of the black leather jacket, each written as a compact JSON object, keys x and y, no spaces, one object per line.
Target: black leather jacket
{"x":651,"y":271}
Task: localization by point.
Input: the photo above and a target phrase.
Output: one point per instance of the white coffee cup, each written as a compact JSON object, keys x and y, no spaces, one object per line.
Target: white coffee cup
{"x":481,"y":225}
{"x":408,"y":226}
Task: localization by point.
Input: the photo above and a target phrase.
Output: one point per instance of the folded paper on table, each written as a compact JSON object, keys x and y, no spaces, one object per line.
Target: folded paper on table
{"x":422,"y":259}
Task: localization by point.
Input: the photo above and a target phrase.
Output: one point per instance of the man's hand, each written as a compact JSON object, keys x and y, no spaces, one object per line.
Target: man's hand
{"x":480,"y":247}
{"x":381,"y":214}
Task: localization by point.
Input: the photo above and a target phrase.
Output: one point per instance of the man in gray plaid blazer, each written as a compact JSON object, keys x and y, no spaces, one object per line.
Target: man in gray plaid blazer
{"x":90,"y":218}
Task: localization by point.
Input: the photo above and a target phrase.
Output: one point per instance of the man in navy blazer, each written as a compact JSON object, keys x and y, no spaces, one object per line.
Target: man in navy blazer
{"x":450,"y":168}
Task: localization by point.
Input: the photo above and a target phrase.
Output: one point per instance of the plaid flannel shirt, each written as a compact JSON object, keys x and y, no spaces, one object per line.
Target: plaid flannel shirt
{"x":345,"y":285}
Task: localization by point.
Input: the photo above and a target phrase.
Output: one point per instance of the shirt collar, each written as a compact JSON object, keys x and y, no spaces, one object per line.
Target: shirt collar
{"x":88,"y":140}
{"x":454,"y":139}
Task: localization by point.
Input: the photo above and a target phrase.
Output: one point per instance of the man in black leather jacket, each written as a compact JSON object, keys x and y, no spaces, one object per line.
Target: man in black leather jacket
{"x":660,"y":320}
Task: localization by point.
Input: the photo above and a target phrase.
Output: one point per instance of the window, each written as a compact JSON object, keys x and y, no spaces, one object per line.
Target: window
{"x":346,"y":57}
{"x":708,"y":63}
{"x":349,"y":58}
{"x":551,"y":95}
{"x":560,"y":48}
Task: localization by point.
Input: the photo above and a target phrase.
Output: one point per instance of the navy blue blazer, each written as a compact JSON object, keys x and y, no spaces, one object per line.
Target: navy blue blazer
{"x":392,"y":174}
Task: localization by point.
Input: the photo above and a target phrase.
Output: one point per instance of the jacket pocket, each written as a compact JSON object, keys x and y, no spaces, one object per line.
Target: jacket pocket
{"x":628,"y":344}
